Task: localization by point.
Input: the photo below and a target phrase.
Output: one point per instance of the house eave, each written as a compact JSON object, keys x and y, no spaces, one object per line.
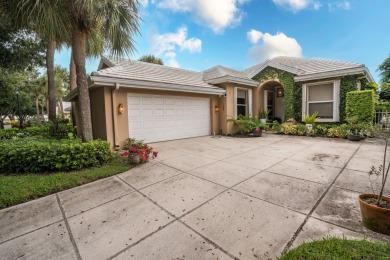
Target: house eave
{"x":229,"y":79}
{"x":139,"y":84}
{"x":334,"y":74}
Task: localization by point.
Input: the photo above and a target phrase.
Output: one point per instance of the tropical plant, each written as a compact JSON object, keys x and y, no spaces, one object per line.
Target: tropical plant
{"x":290,"y":129}
{"x":301,"y":129}
{"x":151,"y":59}
{"x":311,"y":119}
{"x":118,"y":21}
{"x":276,"y":127}
{"x":263,"y":113}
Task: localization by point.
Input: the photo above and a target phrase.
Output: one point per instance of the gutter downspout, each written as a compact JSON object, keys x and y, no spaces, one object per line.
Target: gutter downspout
{"x":114,"y":115}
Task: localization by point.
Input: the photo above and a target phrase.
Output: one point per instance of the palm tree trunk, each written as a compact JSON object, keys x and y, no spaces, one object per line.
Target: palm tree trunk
{"x":84,"y":104}
{"x":61,"y":108}
{"x":51,"y":47}
{"x":37,"y":105}
{"x":72,"y":85}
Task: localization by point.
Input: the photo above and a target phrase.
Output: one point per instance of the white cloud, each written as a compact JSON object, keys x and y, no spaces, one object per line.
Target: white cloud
{"x":143,"y":3}
{"x":167,"y":45}
{"x":216,"y":14}
{"x":344,"y":5}
{"x":254,"y":36}
{"x":298,"y":5}
{"x":272,"y":46}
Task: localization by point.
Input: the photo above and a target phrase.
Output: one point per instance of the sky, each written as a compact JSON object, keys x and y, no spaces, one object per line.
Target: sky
{"x":200,"y":34}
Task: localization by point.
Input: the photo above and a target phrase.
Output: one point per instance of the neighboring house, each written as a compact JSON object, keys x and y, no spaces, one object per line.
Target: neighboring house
{"x":156,"y":103}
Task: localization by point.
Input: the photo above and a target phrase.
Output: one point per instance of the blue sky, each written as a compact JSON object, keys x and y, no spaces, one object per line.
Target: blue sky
{"x":199,"y":34}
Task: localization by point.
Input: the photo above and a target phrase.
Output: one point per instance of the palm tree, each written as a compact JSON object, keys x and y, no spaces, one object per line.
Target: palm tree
{"x":151,"y":59}
{"x":48,"y":20}
{"x":117,"y":21}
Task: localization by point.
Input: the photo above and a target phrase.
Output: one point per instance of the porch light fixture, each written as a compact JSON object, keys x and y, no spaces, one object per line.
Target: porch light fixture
{"x":121,"y":109}
{"x":280,"y":92}
{"x":216,"y":109}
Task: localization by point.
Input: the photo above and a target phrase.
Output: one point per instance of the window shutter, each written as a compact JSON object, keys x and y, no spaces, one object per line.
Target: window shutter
{"x":235,"y":102}
{"x":304,"y":100}
{"x":336,"y":101}
{"x":250,"y":102}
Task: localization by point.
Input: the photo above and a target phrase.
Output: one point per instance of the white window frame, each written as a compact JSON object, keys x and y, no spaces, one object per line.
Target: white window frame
{"x":249,"y":101}
{"x":335,"y":100}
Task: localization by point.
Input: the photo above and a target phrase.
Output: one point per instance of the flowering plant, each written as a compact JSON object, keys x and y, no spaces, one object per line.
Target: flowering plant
{"x":138,"y":147}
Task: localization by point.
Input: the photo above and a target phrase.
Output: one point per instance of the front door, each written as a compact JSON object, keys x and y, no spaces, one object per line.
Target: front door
{"x":271,"y":104}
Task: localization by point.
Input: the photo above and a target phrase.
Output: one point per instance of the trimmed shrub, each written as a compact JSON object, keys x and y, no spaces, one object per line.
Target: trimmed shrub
{"x":338,"y":131}
{"x":290,"y":129}
{"x":361,"y":104}
{"x":49,"y":155}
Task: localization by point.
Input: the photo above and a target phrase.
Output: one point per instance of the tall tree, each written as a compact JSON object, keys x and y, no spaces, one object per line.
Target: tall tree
{"x":151,"y":59}
{"x":50,"y":22}
{"x":384,"y":70}
{"x":118,"y":21}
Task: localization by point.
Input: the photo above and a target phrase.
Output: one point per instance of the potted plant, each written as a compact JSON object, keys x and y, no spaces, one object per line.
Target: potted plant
{"x":354,"y":129}
{"x":263,"y":114}
{"x":309,"y":121}
{"x":137,"y":151}
{"x":375,"y":208}
{"x":257,"y":127}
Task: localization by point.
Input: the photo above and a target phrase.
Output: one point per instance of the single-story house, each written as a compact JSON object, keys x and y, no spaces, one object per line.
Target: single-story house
{"x":156,"y":103}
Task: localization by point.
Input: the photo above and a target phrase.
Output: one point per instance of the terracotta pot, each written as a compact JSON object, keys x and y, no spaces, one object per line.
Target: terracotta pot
{"x":257,"y":132}
{"x":374,"y":217}
{"x":134,"y":158}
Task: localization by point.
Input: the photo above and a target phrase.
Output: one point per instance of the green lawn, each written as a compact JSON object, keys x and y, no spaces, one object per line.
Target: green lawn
{"x":16,"y":189}
{"x":340,"y":249}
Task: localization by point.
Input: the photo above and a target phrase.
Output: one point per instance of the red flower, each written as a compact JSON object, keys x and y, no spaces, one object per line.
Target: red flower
{"x":155,"y":154}
{"x":133,"y":150}
{"x":143,"y":158}
{"x":134,"y":145}
{"x":145,"y":146}
{"x":125,"y":153}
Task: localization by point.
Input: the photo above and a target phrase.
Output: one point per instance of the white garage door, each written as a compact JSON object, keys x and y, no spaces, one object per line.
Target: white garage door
{"x":154,"y":118}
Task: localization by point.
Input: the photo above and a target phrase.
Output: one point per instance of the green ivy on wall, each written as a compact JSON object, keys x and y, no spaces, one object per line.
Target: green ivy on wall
{"x":347,"y":84}
{"x":292,"y":93}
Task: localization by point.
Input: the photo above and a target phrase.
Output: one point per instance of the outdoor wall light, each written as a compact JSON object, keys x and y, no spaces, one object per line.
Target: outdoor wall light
{"x":280,"y":92}
{"x":121,"y":109}
{"x":216,"y":108}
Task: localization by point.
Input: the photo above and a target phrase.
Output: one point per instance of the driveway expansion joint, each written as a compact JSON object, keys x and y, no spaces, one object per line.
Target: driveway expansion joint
{"x":298,"y":231}
{"x":68,"y":228}
{"x":168,"y":224}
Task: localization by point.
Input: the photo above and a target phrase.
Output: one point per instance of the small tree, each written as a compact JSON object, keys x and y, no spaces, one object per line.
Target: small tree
{"x":151,"y":59}
{"x":385,"y":91}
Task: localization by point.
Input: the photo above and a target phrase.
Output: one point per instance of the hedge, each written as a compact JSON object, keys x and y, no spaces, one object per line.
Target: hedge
{"x":361,"y":104}
{"x":49,"y":155}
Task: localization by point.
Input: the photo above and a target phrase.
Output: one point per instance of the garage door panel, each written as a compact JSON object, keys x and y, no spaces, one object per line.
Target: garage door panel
{"x":155,"y":118}
{"x":158,"y":112}
{"x":134,"y":112}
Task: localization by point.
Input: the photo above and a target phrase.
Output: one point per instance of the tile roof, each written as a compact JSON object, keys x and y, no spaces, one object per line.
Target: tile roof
{"x":302,"y":66}
{"x":220,"y":71}
{"x":143,"y":71}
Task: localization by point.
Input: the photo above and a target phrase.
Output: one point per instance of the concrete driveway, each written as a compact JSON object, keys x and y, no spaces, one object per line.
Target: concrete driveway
{"x":203,"y":198}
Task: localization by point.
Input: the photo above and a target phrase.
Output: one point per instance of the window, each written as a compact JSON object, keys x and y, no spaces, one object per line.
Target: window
{"x":242,"y":102}
{"x":320,"y":99}
{"x":323,"y":98}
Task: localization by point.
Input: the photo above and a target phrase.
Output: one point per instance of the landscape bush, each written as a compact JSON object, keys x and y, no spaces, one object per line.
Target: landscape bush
{"x":290,"y":129}
{"x":59,"y":129}
{"x":301,"y":129}
{"x":31,"y":155}
{"x":361,"y":104}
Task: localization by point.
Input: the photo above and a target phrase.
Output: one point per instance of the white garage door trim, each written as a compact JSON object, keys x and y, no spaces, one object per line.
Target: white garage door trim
{"x":154,"y":118}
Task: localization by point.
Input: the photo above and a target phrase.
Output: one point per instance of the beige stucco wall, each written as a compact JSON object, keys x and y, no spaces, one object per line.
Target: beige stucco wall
{"x":105,"y":100}
{"x":98,"y":115}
